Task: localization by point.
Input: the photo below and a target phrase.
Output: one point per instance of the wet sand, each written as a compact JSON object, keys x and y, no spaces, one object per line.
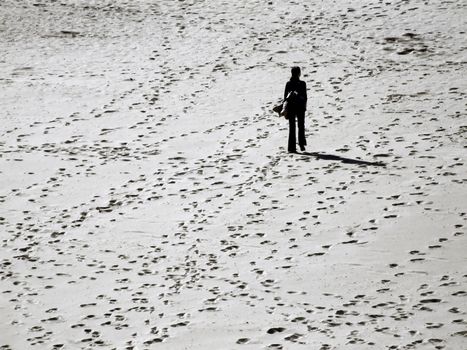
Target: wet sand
{"x":147,"y":199}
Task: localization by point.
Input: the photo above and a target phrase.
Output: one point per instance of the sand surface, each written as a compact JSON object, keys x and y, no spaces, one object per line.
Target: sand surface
{"x":147,"y":200}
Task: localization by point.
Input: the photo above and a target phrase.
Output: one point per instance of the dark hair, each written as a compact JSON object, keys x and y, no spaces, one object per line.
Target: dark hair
{"x":295,"y":72}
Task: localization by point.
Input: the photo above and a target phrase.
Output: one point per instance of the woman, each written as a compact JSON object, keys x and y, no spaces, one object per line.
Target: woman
{"x":295,"y":94}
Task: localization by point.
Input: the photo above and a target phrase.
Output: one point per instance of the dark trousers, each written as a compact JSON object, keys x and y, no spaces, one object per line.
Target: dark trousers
{"x":299,"y":116}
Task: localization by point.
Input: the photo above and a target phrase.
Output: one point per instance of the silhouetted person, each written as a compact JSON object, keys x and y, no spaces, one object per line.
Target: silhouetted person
{"x":295,"y":94}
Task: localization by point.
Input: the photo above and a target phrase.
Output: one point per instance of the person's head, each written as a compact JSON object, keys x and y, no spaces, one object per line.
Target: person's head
{"x":295,"y":71}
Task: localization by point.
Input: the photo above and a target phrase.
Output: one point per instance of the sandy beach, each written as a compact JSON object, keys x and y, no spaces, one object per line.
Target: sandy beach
{"x":148,"y":201}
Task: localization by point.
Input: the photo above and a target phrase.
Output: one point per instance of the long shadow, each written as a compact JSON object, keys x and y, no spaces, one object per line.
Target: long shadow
{"x":324,"y":156}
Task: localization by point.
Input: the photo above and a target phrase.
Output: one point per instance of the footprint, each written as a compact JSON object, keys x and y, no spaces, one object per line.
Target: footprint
{"x":274,"y":330}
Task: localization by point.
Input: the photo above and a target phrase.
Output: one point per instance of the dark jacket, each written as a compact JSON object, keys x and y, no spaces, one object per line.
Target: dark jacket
{"x":296,"y":101}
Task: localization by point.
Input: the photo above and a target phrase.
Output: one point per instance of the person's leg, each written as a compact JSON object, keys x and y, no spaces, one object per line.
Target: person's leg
{"x":292,"y":141}
{"x":301,"y":129}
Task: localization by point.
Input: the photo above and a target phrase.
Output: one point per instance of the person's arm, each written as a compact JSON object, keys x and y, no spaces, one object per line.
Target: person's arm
{"x":286,"y":91}
{"x":304,"y":94}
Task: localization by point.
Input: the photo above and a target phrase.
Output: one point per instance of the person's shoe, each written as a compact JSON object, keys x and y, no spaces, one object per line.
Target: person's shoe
{"x":302,"y":148}
{"x":292,"y":151}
